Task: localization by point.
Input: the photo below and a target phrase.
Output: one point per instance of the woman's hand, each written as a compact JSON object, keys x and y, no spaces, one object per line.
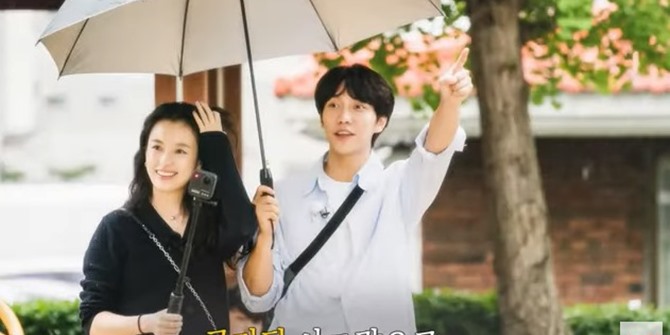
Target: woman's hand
{"x":162,"y":323}
{"x":267,"y":210}
{"x":207,"y":119}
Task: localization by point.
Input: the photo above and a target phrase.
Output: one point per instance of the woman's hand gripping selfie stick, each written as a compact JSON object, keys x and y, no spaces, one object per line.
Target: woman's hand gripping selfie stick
{"x":201,"y":187}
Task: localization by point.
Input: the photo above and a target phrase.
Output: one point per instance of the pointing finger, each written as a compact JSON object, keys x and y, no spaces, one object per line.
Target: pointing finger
{"x":461,"y":60}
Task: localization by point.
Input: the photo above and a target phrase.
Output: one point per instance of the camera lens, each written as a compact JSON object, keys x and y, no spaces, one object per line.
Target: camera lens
{"x":206,"y":180}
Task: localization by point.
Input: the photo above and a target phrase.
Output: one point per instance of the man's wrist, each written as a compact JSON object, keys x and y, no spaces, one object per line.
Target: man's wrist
{"x":264,"y":239}
{"x":450,"y":102}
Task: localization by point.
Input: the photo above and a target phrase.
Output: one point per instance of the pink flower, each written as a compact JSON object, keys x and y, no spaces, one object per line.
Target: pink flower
{"x":282,"y":87}
{"x":589,"y":55}
{"x":415,"y":45}
{"x":392,"y":59}
{"x":375,"y":44}
{"x":304,"y":88}
{"x":402,"y":53}
{"x":330,"y":55}
{"x":409,"y":84}
{"x":601,"y":10}
{"x":615,"y":33}
{"x":446,"y":44}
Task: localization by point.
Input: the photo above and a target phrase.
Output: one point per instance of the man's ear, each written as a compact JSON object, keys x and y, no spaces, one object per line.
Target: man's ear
{"x":381,"y":124}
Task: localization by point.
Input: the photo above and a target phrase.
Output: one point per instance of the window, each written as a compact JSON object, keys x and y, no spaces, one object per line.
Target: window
{"x":664,"y":232}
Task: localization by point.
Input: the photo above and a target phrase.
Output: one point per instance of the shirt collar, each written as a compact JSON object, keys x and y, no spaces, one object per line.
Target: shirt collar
{"x":367,"y":177}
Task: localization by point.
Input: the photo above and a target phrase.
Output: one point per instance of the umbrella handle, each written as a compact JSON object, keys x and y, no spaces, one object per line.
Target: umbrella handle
{"x":266,"y":179}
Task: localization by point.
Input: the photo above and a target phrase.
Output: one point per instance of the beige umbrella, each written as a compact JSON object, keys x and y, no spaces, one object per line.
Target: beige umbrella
{"x":179,"y":37}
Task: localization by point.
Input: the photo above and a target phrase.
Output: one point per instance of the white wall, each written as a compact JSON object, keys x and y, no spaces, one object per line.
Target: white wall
{"x":18,"y":103}
{"x":65,"y":123}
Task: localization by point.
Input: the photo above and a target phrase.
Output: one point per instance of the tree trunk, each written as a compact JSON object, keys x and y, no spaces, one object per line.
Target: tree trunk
{"x":528,"y":298}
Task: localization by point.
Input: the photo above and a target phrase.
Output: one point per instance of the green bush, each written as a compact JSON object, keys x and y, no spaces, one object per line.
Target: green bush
{"x":445,"y":312}
{"x":604,"y":319}
{"x":43,"y":317}
{"x":453,"y":313}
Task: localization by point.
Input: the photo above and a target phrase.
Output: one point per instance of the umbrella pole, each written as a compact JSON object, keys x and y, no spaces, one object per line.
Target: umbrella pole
{"x":265,"y":174}
{"x":179,"y":89}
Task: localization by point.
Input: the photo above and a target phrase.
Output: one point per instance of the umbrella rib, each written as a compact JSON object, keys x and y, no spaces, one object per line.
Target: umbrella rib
{"x":183,"y":38}
{"x":439,"y":9}
{"x":332,"y":40}
{"x":74,"y":45}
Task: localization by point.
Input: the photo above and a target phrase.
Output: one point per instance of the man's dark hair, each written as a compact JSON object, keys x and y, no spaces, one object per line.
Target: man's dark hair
{"x":362,"y":84}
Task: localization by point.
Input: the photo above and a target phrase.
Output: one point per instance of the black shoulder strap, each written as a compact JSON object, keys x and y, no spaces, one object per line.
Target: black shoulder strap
{"x":321,"y":238}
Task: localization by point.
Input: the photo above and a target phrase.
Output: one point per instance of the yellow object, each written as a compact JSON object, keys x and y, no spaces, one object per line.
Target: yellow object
{"x":9,"y":319}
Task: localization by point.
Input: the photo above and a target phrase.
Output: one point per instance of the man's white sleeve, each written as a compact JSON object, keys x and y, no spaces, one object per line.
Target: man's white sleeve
{"x":422,"y":176}
{"x":258,"y":304}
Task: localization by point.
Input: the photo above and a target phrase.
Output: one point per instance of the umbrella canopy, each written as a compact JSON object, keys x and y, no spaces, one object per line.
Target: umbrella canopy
{"x":179,"y":37}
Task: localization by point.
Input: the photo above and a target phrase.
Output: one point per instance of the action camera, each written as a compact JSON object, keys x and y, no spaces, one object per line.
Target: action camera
{"x":202,"y":184}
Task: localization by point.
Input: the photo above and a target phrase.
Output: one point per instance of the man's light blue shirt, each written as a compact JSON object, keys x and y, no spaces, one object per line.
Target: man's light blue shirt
{"x":360,"y":278}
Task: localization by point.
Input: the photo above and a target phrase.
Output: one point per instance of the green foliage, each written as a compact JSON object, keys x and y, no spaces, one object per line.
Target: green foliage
{"x":604,"y":319}
{"x":44,"y":317}
{"x":640,"y":21}
{"x":644,"y":27}
{"x":73,"y":173}
{"x":9,"y":175}
{"x":536,"y":19}
{"x":573,"y":16}
{"x":378,"y":61}
{"x":448,"y":312}
{"x":477,"y":314}
{"x":443,"y":311}
{"x":566,"y":28}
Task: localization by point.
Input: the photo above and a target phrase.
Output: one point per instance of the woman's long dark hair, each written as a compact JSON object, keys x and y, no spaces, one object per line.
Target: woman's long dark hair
{"x":141,"y":189}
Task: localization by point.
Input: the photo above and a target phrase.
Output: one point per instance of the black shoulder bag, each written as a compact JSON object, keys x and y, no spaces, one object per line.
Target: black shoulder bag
{"x":292,"y":271}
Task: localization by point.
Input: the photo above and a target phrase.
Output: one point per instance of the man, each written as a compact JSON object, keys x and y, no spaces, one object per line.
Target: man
{"x":359,"y":280}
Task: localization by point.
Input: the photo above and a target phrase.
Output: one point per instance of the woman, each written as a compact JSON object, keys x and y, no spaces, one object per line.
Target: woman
{"x":128,"y":278}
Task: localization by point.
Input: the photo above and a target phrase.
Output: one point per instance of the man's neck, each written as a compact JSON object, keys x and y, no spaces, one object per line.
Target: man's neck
{"x":344,"y":168}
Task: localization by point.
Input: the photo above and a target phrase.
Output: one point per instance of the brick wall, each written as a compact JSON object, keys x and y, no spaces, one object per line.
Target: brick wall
{"x":600,"y":194}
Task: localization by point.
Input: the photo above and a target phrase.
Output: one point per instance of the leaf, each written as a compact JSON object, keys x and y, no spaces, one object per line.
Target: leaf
{"x":573,"y":24}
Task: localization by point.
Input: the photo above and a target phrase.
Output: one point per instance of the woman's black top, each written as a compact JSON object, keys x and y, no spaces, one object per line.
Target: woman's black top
{"x":125,"y":272}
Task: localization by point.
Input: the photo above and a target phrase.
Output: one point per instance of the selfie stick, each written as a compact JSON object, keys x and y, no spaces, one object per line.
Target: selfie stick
{"x":177,"y":296}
